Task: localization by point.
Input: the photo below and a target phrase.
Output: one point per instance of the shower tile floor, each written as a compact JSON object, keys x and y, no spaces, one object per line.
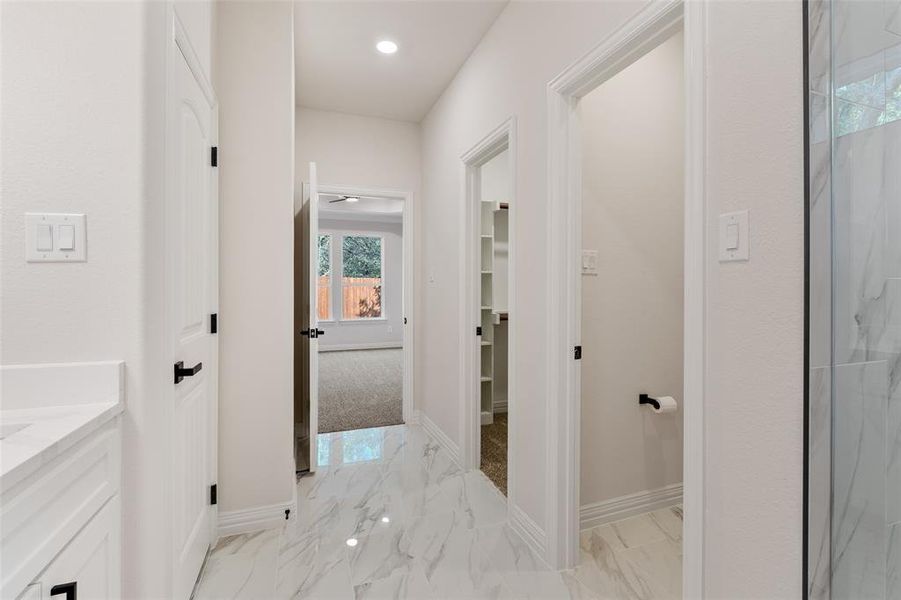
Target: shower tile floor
{"x":389,"y":514}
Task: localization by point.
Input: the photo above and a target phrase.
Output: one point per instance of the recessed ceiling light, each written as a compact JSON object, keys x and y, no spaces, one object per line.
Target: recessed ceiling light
{"x":386,"y":519}
{"x":352,"y":199}
{"x":351,"y":542}
{"x":386,"y":47}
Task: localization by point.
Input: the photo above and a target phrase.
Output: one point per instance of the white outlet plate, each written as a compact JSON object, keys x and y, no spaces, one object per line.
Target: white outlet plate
{"x":734,"y":247}
{"x":35,"y":220}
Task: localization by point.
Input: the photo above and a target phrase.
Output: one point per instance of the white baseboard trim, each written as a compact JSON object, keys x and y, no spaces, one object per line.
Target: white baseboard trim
{"x":433,"y":430}
{"x":500,"y":407}
{"x":254,"y":519}
{"x":526,"y":527}
{"x":415,"y":418}
{"x":369,"y":346}
{"x":600,"y":513}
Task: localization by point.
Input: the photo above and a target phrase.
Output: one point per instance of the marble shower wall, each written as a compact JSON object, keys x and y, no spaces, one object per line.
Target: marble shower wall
{"x":855,"y":299}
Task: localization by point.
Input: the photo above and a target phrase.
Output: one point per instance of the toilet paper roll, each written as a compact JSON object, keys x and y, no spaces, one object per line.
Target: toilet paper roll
{"x":667,"y":405}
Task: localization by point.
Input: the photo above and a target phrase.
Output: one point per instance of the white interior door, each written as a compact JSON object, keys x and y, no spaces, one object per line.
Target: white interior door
{"x":310,"y":327}
{"x":190,"y":234}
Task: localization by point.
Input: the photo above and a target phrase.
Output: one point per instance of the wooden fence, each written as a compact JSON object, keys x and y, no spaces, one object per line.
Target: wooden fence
{"x":362,"y":297}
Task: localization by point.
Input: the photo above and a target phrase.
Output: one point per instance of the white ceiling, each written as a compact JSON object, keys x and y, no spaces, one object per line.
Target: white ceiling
{"x":339,"y":69}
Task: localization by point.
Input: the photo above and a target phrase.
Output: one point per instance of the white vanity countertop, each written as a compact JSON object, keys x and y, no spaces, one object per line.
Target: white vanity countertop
{"x":49,"y":432}
{"x":59,"y":404}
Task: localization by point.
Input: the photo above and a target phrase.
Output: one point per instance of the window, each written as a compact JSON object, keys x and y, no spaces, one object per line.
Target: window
{"x":324,"y":283}
{"x":361,"y":284}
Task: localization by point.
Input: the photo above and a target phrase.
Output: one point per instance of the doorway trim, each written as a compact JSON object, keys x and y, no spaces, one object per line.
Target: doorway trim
{"x":646,"y":30}
{"x":502,"y":137}
{"x":409,"y":304}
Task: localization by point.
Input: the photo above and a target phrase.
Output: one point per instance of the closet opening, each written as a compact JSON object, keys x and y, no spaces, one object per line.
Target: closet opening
{"x":489,"y":411}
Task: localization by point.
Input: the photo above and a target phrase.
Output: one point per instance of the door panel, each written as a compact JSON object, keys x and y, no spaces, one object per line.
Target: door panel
{"x":190,"y":240}
{"x":310,"y":315}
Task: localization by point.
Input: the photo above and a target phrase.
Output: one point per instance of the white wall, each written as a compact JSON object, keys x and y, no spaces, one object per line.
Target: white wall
{"x":632,"y":214}
{"x":753,"y":410}
{"x":386,"y":332}
{"x":255,"y":84}
{"x":357,"y":150}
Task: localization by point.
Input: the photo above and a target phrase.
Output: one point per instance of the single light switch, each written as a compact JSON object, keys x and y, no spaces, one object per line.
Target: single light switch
{"x":734,"y":242}
{"x":732,"y":236}
{"x":589,"y":262}
{"x":66,"y":236}
{"x":44,"y":238}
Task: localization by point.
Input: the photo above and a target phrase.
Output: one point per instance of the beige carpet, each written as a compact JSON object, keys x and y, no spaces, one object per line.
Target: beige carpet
{"x":494,"y":451}
{"x":360,"y":388}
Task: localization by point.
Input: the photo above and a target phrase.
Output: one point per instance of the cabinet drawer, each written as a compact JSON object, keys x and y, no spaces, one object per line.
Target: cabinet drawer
{"x":41,"y":514}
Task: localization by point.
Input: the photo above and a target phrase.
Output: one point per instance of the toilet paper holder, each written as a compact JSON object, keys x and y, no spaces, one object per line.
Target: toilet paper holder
{"x":645,"y":399}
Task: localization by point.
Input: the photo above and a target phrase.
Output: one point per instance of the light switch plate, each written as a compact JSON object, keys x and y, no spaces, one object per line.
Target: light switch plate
{"x":589,"y":262}
{"x":76,"y":243}
{"x":734,"y":240}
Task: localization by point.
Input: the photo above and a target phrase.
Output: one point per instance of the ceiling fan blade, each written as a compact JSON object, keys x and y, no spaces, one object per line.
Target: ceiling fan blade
{"x":342,"y":199}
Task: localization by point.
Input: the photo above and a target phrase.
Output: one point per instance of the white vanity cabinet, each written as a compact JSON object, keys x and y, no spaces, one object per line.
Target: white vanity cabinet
{"x":88,"y":567}
{"x":60,"y":507}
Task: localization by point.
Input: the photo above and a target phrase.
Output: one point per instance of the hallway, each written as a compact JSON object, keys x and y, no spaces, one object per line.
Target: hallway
{"x":390,"y":515}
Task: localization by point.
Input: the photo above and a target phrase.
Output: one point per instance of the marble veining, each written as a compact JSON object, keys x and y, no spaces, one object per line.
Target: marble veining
{"x":397,"y":518}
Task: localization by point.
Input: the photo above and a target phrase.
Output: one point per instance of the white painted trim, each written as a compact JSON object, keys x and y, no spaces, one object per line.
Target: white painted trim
{"x":436,"y":432}
{"x":647,"y":29}
{"x":254,"y":519}
{"x":183,"y":42}
{"x":409,"y":304}
{"x":334,"y":215}
{"x":615,"y":509}
{"x":368,"y":346}
{"x":502,"y":137}
{"x":526,"y":527}
{"x":501,"y":407}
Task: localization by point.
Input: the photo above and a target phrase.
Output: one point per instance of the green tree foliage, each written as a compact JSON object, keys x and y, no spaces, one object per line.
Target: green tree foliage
{"x":362,"y":256}
{"x":325,"y":244}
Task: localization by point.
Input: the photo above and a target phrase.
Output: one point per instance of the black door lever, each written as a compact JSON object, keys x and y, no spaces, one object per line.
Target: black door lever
{"x":181,"y":372}
{"x":69,"y":589}
{"x":312,"y":333}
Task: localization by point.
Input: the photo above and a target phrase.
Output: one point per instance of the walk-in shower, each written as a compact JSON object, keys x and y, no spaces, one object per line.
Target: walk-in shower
{"x":854,"y":236}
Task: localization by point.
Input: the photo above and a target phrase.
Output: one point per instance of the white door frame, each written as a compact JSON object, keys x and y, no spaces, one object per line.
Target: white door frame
{"x":647,"y":29}
{"x":409,"y":303}
{"x":502,"y":137}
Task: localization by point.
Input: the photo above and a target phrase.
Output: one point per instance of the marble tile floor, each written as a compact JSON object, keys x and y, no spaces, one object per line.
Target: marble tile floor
{"x":388,"y":514}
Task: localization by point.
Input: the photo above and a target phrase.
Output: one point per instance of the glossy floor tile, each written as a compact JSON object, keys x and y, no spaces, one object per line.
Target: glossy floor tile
{"x":389,"y":514}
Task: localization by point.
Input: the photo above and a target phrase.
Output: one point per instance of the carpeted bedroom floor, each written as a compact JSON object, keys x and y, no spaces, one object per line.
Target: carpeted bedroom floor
{"x":360,"y":388}
{"x":494,"y":451}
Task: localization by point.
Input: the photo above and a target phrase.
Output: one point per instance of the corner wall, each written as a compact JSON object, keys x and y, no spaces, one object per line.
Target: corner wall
{"x":255,"y":85}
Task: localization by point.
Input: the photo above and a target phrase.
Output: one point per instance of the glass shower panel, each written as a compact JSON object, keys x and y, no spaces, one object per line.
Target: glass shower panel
{"x":854,"y":509}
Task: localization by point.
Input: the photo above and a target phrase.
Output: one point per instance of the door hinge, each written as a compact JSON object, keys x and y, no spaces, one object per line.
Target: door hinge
{"x":214,"y":323}
{"x":213,"y":498}
{"x":478,"y":331}
{"x":214,"y":156}
{"x":577,"y":352}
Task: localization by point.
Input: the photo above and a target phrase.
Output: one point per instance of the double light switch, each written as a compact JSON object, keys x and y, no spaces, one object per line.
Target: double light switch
{"x":55,"y":238}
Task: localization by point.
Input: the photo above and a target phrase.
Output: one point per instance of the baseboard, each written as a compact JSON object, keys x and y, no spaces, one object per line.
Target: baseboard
{"x":599,"y":513}
{"x":370,"y":346}
{"x":531,"y":533}
{"x":433,"y":430}
{"x":254,"y":519}
{"x":415,"y":418}
{"x":500,"y":407}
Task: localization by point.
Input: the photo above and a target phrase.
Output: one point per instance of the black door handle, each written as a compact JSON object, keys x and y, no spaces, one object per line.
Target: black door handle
{"x":312,"y":333}
{"x":181,"y":372}
{"x":319,"y":333}
{"x":69,"y":589}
